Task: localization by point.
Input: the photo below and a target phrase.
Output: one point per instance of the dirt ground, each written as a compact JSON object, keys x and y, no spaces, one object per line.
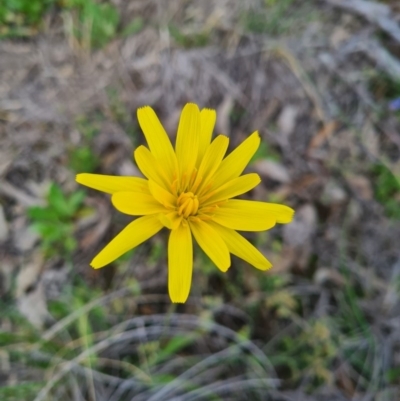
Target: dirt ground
{"x":320,"y":81}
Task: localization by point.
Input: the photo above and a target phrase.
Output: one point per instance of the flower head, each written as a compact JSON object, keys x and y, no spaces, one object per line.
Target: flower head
{"x":189,"y":190}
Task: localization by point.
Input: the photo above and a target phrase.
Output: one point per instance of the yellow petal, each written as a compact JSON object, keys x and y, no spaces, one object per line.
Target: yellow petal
{"x":239,"y":246}
{"x":211,"y":243}
{"x":132,"y":235}
{"x":234,"y":164}
{"x":211,"y":161}
{"x":180,"y":263}
{"x":244,"y":215}
{"x":207,"y":123}
{"x":232,"y":188}
{"x":187,"y":139}
{"x":283,"y":214}
{"x":150,"y":168}
{"x":157,"y":139}
{"x":136,"y":204}
{"x":170,"y":220}
{"x":162,"y":195}
{"x":112,"y":184}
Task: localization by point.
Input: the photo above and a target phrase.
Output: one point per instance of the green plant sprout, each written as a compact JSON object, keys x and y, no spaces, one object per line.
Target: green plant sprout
{"x":55,"y":222}
{"x":20,"y":18}
{"x":83,"y":157}
{"x":189,"y":40}
{"x":387,"y":190}
{"x":93,"y":24}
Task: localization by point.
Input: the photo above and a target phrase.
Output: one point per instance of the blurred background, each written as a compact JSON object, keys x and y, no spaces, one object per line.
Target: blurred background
{"x":320,"y":80}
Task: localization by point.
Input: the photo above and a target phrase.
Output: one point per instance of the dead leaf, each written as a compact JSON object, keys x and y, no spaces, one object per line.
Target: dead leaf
{"x":223,"y":124}
{"x":308,"y":186}
{"x":344,"y":381}
{"x":339,"y":36}
{"x":94,"y":234}
{"x":111,"y":158}
{"x":370,"y":139}
{"x":265,"y":115}
{"x":303,"y":226}
{"x":4,"y":230}
{"x":329,"y":276}
{"x":361,"y":186}
{"x":287,"y":121}
{"x":5,"y":365}
{"x":24,"y":238}
{"x":333,"y":193}
{"x":21,"y":197}
{"x":6,"y":158}
{"x":297,"y":238}
{"x":127,"y":168}
{"x":30,"y":293}
{"x":38,"y":189}
{"x":374,"y":12}
{"x":322,"y":135}
{"x":273,"y":170}
{"x":354,"y":211}
{"x":7,"y":267}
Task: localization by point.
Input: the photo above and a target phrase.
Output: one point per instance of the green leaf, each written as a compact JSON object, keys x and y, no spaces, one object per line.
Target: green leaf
{"x":20,"y":391}
{"x":83,"y":159}
{"x":133,"y":27}
{"x":70,"y":244}
{"x":18,"y":16}
{"x":188,"y":40}
{"x":7,"y":338}
{"x":42,"y":213}
{"x":393,"y":375}
{"x":103,"y":20}
{"x":75,"y":201}
{"x":387,"y":189}
{"x":58,"y":201}
{"x":174,"y":345}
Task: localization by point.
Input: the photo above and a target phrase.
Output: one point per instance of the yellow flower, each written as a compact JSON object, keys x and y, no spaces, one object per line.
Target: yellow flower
{"x":188,"y":190}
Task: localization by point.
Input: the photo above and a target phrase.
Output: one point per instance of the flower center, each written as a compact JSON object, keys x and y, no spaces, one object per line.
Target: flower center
{"x":187,"y":204}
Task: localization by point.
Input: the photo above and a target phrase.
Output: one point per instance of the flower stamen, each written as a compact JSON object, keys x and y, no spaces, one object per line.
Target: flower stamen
{"x":187,"y":204}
